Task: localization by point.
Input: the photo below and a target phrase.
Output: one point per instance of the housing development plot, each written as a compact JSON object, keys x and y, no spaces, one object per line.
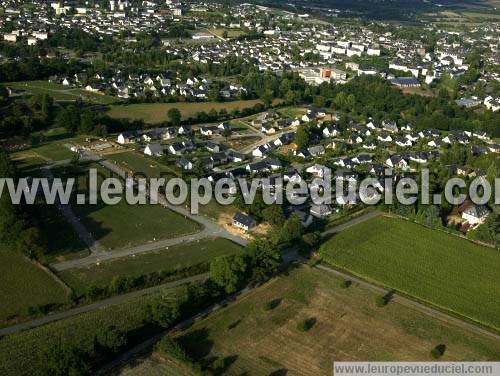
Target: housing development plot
{"x":124,"y":225}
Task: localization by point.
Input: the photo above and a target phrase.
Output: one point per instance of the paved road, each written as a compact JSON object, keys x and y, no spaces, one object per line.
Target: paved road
{"x":98,"y":257}
{"x":94,"y":247}
{"x":97,"y":305}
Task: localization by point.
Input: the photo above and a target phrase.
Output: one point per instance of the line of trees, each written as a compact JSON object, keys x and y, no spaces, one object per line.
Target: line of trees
{"x":16,"y":231}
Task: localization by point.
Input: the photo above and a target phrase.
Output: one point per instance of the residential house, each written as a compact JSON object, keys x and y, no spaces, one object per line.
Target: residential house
{"x":318,"y":170}
{"x":330,"y":131}
{"x":473,"y":214}
{"x":390,"y":126}
{"x":184,"y":164}
{"x":176,"y":148}
{"x":397,"y":161}
{"x":244,"y":222}
{"x":185,"y":130}
{"x":208,"y":131}
{"x":320,"y":211}
{"x":126,"y":138}
{"x":316,"y":150}
{"x":153,"y":150}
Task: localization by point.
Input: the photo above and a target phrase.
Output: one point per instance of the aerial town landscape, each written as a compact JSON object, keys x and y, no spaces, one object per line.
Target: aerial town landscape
{"x":261,"y":95}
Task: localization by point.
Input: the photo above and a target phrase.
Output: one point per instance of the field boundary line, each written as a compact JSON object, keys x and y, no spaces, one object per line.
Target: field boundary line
{"x":53,"y":275}
{"x":436,"y":311}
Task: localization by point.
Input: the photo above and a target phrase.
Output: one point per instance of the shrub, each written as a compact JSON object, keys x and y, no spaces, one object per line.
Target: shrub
{"x":438,"y":351}
{"x":170,"y":346}
{"x":382,"y":301}
{"x":345,"y":283}
{"x":306,"y":325}
{"x":65,"y":360}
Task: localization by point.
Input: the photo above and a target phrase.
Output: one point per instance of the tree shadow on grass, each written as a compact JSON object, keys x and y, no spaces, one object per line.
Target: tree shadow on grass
{"x":272,"y":304}
{"x":197,"y":343}
{"x":279,"y":372}
{"x":234,"y":324}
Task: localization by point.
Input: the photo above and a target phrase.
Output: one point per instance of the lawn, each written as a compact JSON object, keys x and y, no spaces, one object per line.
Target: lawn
{"x":444,"y":270}
{"x":27,"y":165}
{"x":292,"y":112}
{"x":168,"y":259}
{"x":258,"y":334}
{"x":157,"y":112}
{"x":138,"y":163}
{"x":124,"y":225}
{"x":60,"y":92}
{"x":24,"y":285}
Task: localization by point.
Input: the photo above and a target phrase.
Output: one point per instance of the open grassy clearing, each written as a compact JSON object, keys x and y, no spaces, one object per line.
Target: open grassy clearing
{"x":231,"y":33}
{"x":24,"y":285}
{"x":444,"y":270}
{"x":259,"y":333}
{"x":139,"y":163}
{"x":49,"y":145}
{"x":27,"y":165}
{"x":124,"y":225}
{"x":292,"y":111}
{"x":152,"y":366}
{"x":418,"y":91}
{"x":483,"y":15}
{"x":23,"y":353}
{"x":168,"y":259}
{"x":157,"y":112}
{"x":60,"y":92}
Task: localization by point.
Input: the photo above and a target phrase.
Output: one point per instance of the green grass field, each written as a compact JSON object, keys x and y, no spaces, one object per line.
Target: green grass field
{"x":444,"y":270}
{"x":124,"y":225}
{"x":62,"y":241}
{"x":168,"y":259}
{"x":231,"y":33}
{"x":24,"y":285}
{"x":23,"y":353}
{"x":157,"y":112}
{"x":49,"y":145}
{"x":60,"y":92}
{"x":139,"y":163}
{"x":258,"y":334}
